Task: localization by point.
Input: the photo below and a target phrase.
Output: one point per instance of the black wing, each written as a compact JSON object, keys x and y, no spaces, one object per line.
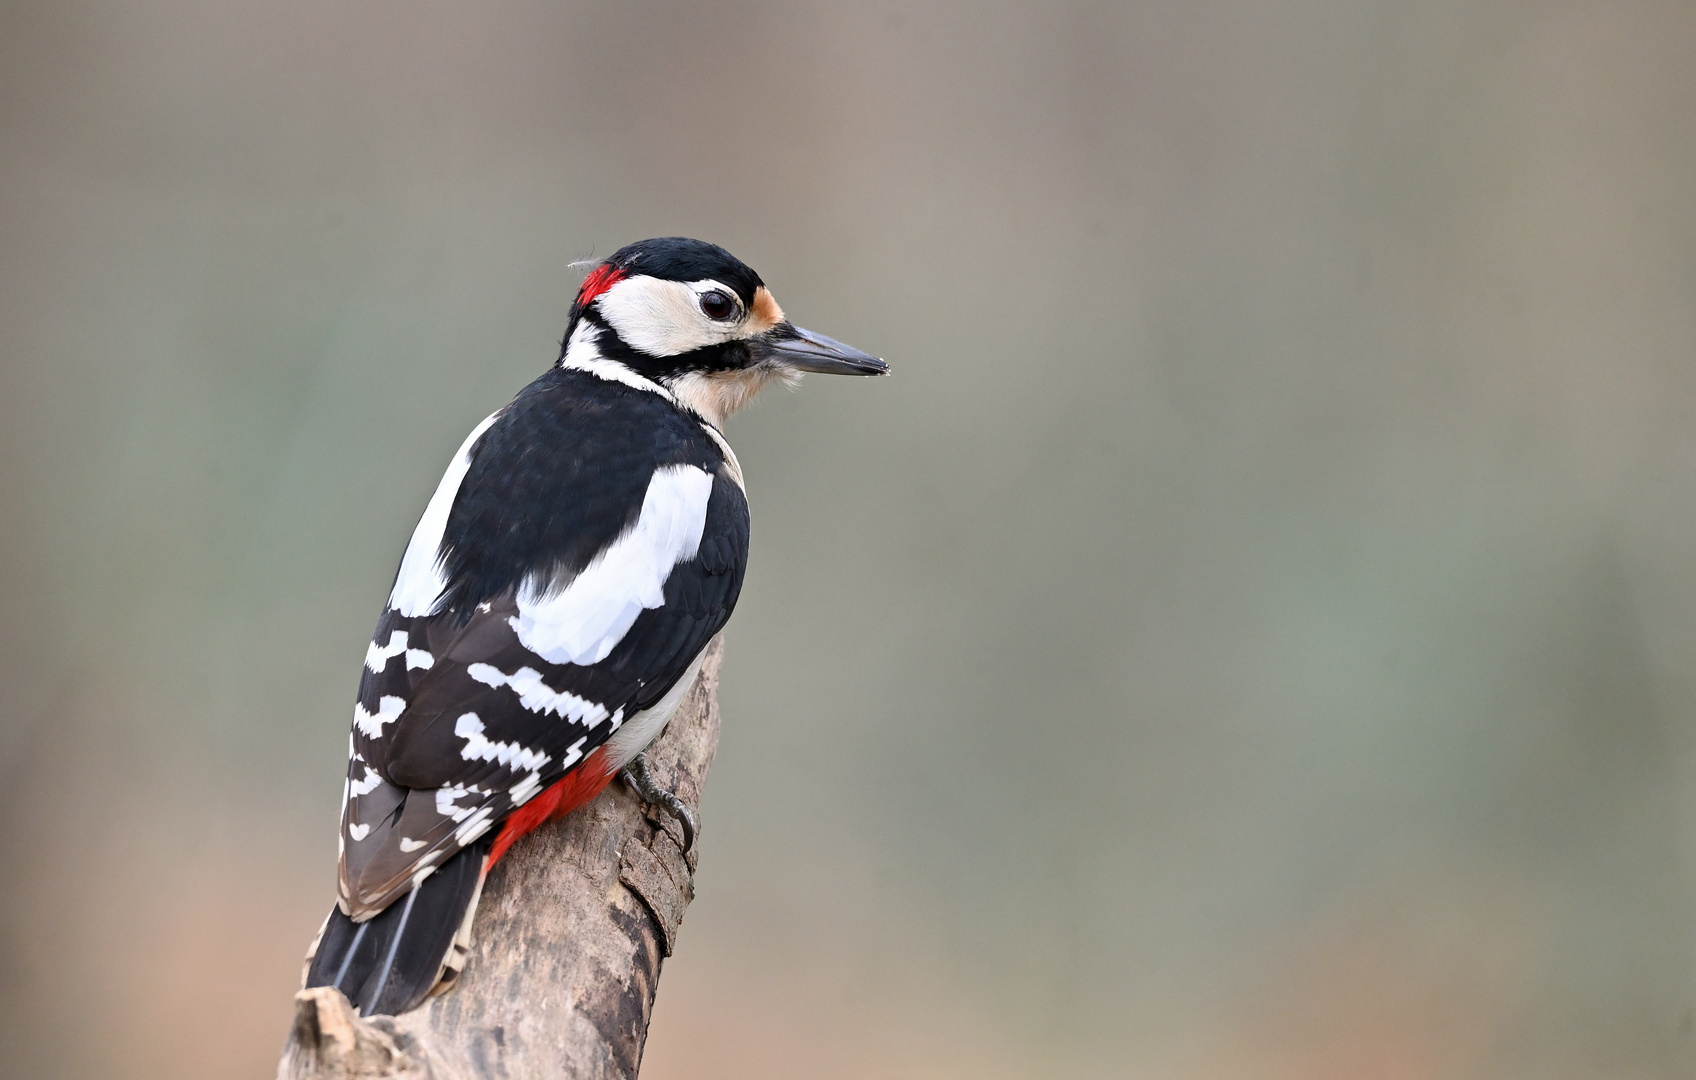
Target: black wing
{"x":459,"y":722}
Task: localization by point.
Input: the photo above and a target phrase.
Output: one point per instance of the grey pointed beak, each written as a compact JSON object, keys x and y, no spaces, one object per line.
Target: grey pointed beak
{"x":804,"y":350}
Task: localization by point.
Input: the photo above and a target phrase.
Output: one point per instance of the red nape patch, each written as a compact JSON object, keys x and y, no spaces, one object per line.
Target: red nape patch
{"x":600,"y":279}
{"x":572,"y":790}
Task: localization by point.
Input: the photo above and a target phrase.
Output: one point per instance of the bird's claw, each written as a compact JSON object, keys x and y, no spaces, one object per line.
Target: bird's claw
{"x":641,"y":782}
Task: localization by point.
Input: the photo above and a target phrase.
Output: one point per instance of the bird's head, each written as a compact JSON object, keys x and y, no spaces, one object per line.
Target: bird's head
{"x":694,"y":319}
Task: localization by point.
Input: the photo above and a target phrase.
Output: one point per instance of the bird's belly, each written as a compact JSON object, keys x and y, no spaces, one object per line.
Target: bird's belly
{"x":634,"y":735}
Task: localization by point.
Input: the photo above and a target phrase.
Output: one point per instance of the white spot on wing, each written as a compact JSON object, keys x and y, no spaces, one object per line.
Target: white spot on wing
{"x":574,"y":752}
{"x":538,"y":696}
{"x":446,"y":797}
{"x":367,"y":783}
{"x":377,"y":656}
{"x":418,"y":658}
{"x":408,"y":844}
{"x":358,"y":832}
{"x":371,"y":724}
{"x":583,"y":622}
{"x":420,"y":582}
{"x":479,"y":747}
{"x":474,"y":826}
{"x":525,"y":788}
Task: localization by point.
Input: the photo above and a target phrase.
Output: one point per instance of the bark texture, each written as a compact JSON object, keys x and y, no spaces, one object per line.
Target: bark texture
{"x":572,"y":929}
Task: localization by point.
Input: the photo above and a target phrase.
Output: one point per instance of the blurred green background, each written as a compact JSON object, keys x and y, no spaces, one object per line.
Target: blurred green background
{"x":1253,"y":634}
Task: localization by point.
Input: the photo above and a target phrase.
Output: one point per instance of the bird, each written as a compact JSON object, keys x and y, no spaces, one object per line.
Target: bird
{"x":553,"y":605}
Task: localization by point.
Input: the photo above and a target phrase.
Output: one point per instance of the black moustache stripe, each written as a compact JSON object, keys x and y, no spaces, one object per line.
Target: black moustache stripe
{"x":728,"y":356}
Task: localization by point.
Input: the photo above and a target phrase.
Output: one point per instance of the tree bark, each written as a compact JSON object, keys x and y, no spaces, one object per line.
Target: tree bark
{"x":569,"y":937}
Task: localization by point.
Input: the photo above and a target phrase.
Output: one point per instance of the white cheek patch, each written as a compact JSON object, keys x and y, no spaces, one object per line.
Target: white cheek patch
{"x":420,"y":582}
{"x":663,"y":318}
{"x":582,"y":623}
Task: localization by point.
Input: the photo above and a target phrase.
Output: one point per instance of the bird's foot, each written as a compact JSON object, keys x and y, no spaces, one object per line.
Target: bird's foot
{"x":641,"y":782}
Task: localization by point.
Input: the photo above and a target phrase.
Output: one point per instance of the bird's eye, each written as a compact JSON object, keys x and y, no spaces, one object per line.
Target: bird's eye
{"x":716,"y":305}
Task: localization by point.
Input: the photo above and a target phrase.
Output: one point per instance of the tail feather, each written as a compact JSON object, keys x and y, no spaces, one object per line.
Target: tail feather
{"x":389,"y":963}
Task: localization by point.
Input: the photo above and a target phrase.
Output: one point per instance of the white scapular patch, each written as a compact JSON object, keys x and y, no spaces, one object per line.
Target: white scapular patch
{"x":420,"y":582}
{"x":479,"y":747}
{"x":583,"y":622}
{"x":409,"y":845}
{"x":664,"y":318}
{"x":366,"y":784}
{"x":377,"y":656}
{"x":371,"y":724}
{"x":358,"y":832}
{"x":521,"y":791}
{"x":631,"y":739}
{"x":538,"y":696}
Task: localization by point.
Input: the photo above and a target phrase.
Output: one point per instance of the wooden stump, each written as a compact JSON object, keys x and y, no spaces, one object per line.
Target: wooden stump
{"x":569,"y":937}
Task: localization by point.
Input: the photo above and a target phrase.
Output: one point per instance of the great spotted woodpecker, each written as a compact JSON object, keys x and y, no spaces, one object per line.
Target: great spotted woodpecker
{"x":553,"y":606}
